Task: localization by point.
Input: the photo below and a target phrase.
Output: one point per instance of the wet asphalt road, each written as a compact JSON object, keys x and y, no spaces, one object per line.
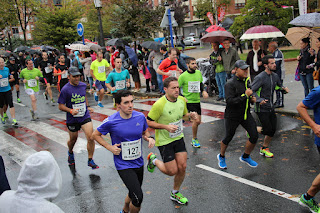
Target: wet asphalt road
{"x":291,"y":170}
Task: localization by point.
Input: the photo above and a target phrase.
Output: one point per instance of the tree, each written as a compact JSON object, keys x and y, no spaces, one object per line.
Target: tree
{"x":56,"y":26}
{"x":205,"y":6}
{"x":8,"y":19}
{"x":180,"y":13}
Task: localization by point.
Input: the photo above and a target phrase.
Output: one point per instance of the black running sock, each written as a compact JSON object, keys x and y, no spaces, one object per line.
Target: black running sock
{"x":264,"y":147}
{"x":307,"y":196}
{"x":89,"y":159}
{"x":18,"y":94}
{"x":222,"y":156}
{"x":245,"y":155}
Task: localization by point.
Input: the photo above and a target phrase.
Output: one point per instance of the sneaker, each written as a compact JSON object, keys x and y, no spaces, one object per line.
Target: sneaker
{"x":222,"y":162}
{"x":5,"y":116}
{"x":70,"y":158}
{"x":195,"y":143}
{"x":18,"y":100}
{"x":93,"y":165}
{"x":45,"y":96}
{"x":311,"y":204}
{"x":150,"y":165}
{"x":178,"y":197}
{"x":248,"y":161}
{"x":52,"y":101}
{"x":100,"y":105}
{"x":266,"y":152}
{"x":33,"y":116}
{"x":219,"y":99}
{"x":96,"y":97}
{"x":3,"y":120}
{"x":14,"y":122}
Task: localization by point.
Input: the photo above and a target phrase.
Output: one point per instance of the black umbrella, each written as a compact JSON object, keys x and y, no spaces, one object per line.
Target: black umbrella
{"x":22,"y":49}
{"x":152,"y":45}
{"x":116,"y":42}
{"x":47,"y":48}
{"x":4,"y":53}
{"x":32,"y":51}
{"x":226,"y":24}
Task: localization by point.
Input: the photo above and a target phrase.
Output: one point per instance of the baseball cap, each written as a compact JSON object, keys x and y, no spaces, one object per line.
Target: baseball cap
{"x":241,"y":64}
{"x":74,"y":71}
{"x":12,"y":59}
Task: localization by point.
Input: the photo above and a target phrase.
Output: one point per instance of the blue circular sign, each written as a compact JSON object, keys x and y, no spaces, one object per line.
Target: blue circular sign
{"x":80,"y":29}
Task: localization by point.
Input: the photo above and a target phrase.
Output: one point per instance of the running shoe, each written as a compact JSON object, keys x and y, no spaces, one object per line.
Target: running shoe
{"x":96,"y":97}
{"x":195,"y":143}
{"x":266,"y":152}
{"x":150,"y":165}
{"x":93,"y":165}
{"x":45,"y":96}
{"x":5,"y":116}
{"x":14,"y":122}
{"x":100,"y":105}
{"x":3,"y":120}
{"x":178,"y":197}
{"x":70,"y":158}
{"x":222,"y":162}
{"x":33,"y":116}
{"x":248,"y":161}
{"x":52,"y":101}
{"x":311,"y":204}
{"x":18,"y":100}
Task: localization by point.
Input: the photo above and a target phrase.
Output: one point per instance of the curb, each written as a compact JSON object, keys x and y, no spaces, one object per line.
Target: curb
{"x":290,"y":59}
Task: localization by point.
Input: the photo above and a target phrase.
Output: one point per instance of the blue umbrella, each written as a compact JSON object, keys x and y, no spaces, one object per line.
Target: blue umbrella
{"x":160,"y":39}
{"x":132,"y":55}
{"x":307,"y":20}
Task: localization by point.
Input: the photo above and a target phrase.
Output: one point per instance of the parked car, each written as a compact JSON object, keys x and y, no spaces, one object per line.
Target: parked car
{"x":191,"y":40}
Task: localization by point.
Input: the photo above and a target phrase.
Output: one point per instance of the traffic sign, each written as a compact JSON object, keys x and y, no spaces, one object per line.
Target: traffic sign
{"x":165,"y":20}
{"x":80,"y":29}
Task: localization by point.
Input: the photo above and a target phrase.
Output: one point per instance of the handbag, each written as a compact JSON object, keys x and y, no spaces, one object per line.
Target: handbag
{"x":297,"y":75}
{"x":316,"y":74}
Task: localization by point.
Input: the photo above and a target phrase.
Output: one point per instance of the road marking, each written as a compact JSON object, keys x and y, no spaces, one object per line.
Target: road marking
{"x":19,"y":104}
{"x":250,"y":183}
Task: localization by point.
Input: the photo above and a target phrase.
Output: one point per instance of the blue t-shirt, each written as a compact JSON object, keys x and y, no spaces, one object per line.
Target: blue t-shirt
{"x":4,"y":81}
{"x":121,"y":77}
{"x":125,"y":130}
{"x":74,"y":97}
{"x":312,"y":101}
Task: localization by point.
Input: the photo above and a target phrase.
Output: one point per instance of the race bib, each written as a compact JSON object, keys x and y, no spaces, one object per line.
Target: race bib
{"x":32,"y":83}
{"x":120,"y":84}
{"x":101,"y":69}
{"x":65,"y":75}
{"x":173,"y":73}
{"x":81,"y":109}
{"x":179,"y":129}
{"x":131,"y":150}
{"x":47,"y":69}
{"x":4,"y":82}
{"x":194,"y":86}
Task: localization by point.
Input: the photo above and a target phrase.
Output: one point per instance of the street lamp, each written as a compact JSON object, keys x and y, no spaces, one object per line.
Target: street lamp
{"x":98,"y":6}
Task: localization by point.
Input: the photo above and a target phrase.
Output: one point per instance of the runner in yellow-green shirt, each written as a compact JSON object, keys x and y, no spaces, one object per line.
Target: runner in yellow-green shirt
{"x":166,"y":117}
{"x":31,"y":76}
{"x":98,"y":72}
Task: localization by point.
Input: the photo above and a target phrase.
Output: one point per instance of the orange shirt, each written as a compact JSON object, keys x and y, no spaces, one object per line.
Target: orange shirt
{"x":167,"y":65}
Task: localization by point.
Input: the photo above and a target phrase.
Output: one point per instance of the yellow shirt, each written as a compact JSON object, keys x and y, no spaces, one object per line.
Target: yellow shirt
{"x":99,"y":69}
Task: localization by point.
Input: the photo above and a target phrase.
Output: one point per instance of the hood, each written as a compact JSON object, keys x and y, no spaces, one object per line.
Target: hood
{"x":76,"y":53}
{"x":39,"y":177}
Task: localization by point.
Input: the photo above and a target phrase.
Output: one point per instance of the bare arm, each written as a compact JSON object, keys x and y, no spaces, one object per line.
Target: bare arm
{"x":302,"y":109}
{"x":162,"y":73}
{"x":146,"y":136}
{"x":110,"y":87}
{"x":91,"y":73}
{"x":97,"y":136}
{"x":64,"y":108}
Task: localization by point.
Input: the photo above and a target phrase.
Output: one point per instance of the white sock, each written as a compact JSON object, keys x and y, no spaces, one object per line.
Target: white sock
{"x":99,"y":102}
{"x":175,"y":191}
{"x":154,"y":161}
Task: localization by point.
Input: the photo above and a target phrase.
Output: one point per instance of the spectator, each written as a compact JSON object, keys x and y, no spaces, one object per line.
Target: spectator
{"x":317,"y":60}
{"x":4,"y":184}
{"x":254,"y":59}
{"x":229,"y":56}
{"x":93,"y":55}
{"x":182,"y":60}
{"x":153,"y":73}
{"x":221,"y":75}
{"x":86,"y":61}
{"x":145,"y":71}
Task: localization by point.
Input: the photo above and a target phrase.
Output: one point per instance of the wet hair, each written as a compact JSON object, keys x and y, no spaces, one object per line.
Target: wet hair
{"x":100,"y":53}
{"x":188,"y":60}
{"x":140,"y":62}
{"x":167,"y":81}
{"x":163,"y":48}
{"x":117,"y":58}
{"x":120,"y":94}
{"x":113,"y":48}
{"x":27,"y":61}
{"x":87,"y":54}
{"x":61,"y":55}
{"x":226,"y":40}
{"x":172,"y":49}
{"x":306,"y":40}
{"x":265,"y":59}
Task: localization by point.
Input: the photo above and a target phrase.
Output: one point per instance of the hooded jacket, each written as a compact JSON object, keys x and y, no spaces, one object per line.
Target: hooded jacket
{"x":39,"y":181}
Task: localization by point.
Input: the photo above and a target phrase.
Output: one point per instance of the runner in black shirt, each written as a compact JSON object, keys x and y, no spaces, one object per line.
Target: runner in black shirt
{"x":46,"y":67}
{"x":15,"y":71}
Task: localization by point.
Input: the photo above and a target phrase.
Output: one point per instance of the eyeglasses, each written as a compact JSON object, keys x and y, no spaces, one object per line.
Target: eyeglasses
{"x":76,"y":76}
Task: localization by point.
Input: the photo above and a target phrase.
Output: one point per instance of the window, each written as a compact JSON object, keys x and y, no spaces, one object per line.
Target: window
{"x":239,"y":4}
{"x":15,"y":30}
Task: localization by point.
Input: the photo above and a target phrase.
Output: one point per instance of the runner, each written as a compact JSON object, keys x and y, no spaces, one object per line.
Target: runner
{"x":15,"y":71}
{"x":126,"y":146}
{"x":166,"y":117}
{"x":169,"y":66}
{"x":61,"y":70}
{"x":5,"y":92}
{"x":238,"y":95}
{"x":98,"y":73}
{"x":74,"y":102}
{"x":264,"y":85}
{"x":192,"y":86}
{"x":46,"y":67}
{"x":118,"y":77}
{"x":31,"y":76}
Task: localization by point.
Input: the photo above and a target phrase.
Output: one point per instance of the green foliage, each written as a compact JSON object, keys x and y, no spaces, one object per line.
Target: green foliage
{"x":57,"y":26}
{"x":202,"y":8}
{"x":180,"y":11}
{"x":135,"y":18}
{"x":257,"y":12}
{"x":8,"y":15}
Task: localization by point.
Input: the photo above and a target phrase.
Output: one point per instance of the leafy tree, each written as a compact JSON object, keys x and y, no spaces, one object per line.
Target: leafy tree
{"x":56,"y":26}
{"x":180,"y":13}
{"x":8,"y":19}
{"x":205,"y":6}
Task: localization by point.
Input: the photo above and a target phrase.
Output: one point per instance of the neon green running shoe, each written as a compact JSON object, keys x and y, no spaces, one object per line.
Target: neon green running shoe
{"x":311,"y":204}
{"x":18,"y":100}
{"x":14,"y":122}
{"x":3,"y":120}
{"x":266,"y":152}
{"x":5,"y":116}
{"x":195,"y":143}
{"x":178,"y":197}
{"x":150,"y":165}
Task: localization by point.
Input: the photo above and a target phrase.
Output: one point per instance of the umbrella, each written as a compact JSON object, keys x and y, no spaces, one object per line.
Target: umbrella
{"x":79,"y":47}
{"x":160,"y":39}
{"x":47,"y":48}
{"x":32,"y":51}
{"x":94,"y":47}
{"x":226,"y":24}
{"x":152,"y":45}
{"x":116,"y":42}
{"x":218,"y":36}
{"x":295,"y":34}
{"x":215,"y":28}
{"x":21,"y":49}
{"x":132,"y":55}
{"x":262,"y":31}
{"x":4,"y":53}
{"x":307,"y":20}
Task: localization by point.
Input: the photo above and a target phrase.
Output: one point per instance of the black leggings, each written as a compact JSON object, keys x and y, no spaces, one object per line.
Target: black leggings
{"x":133,"y":178}
{"x":268,"y":121}
{"x":249,"y":125}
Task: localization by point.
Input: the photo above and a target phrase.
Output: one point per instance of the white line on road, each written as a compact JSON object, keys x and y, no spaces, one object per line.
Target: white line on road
{"x":250,"y":183}
{"x":19,"y":104}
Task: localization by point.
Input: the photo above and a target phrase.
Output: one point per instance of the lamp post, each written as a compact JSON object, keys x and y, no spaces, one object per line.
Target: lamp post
{"x":170,"y":22}
{"x":97,"y":4}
